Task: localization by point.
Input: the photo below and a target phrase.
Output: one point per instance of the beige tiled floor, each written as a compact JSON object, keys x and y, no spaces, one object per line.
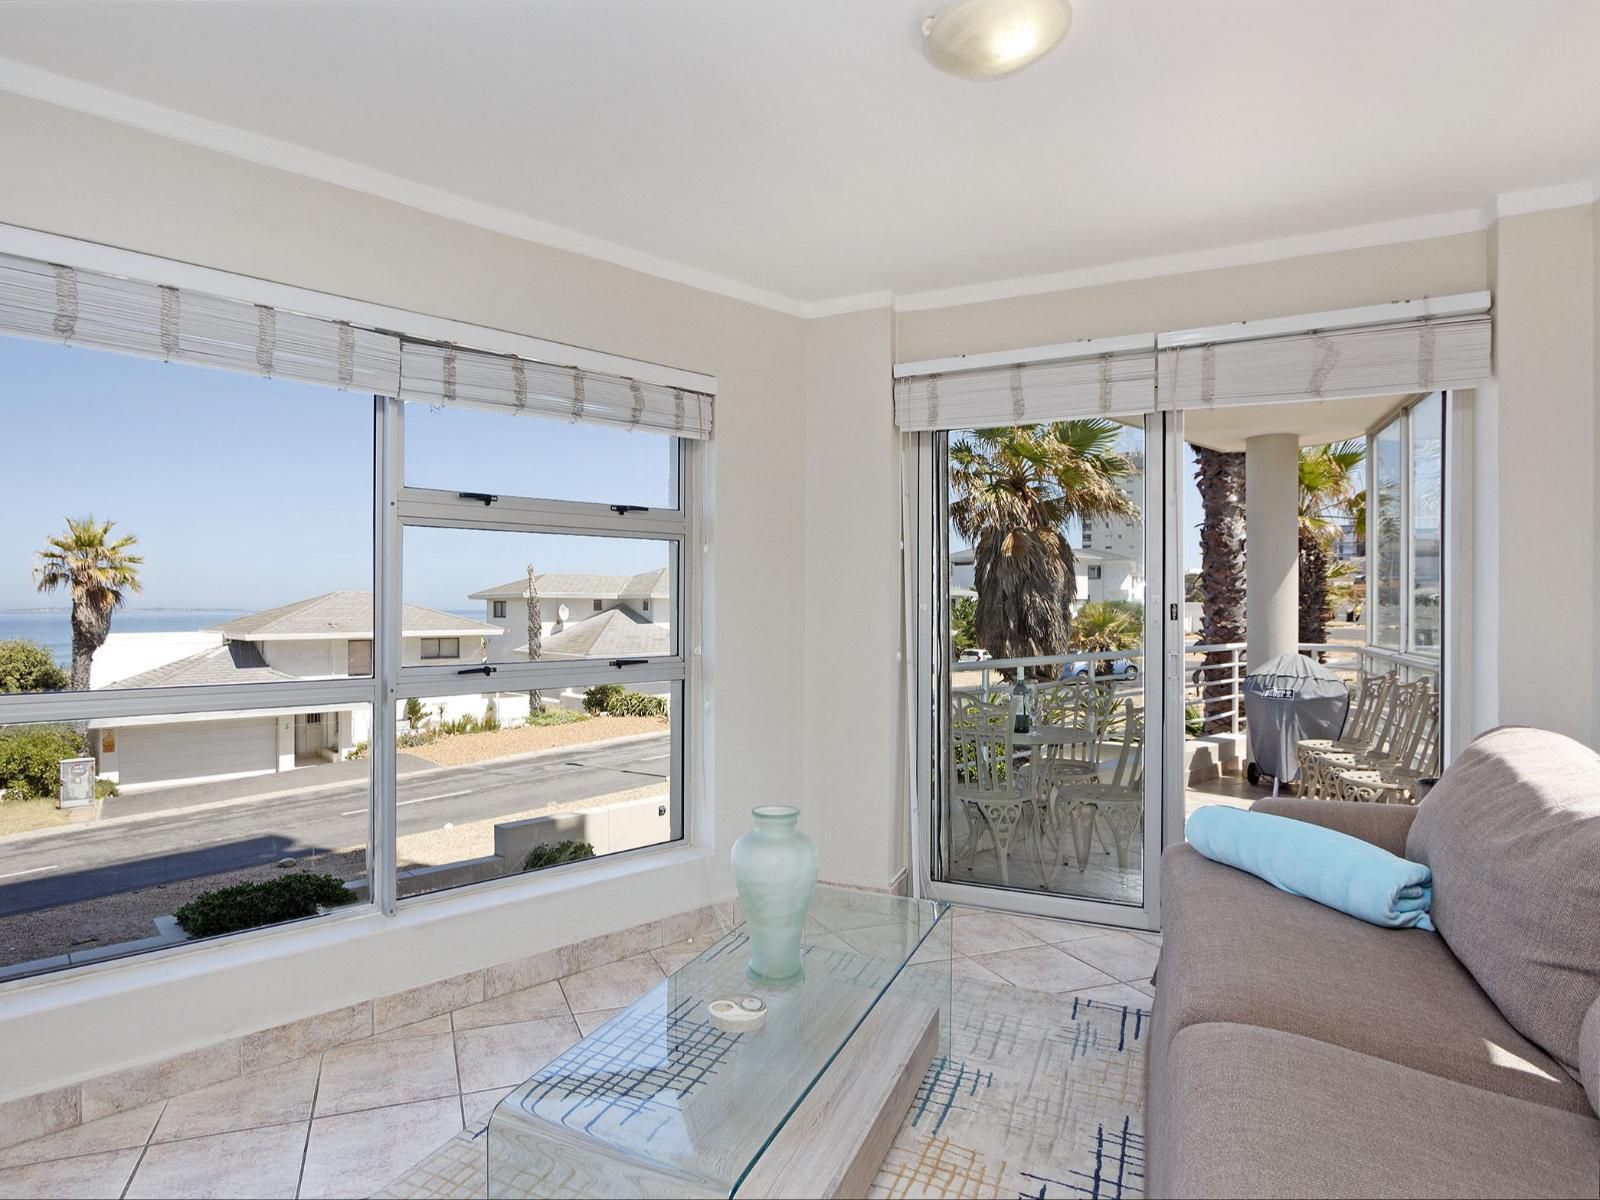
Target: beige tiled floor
{"x":347,"y":1121}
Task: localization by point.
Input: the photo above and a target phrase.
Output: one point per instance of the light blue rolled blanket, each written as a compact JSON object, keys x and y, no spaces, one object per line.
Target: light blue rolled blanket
{"x":1324,"y":865}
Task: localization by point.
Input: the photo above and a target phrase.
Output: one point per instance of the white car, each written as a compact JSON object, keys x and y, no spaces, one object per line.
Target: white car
{"x":974,"y":655}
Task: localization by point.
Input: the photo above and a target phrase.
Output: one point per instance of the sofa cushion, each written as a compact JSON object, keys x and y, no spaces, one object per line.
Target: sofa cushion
{"x":1512,"y":833}
{"x":1589,"y":1054}
{"x":1384,"y":825}
{"x":1259,"y":1112}
{"x":1237,"y":949}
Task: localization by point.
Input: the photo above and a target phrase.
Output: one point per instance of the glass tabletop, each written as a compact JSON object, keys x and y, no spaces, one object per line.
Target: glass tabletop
{"x":660,"y":1102}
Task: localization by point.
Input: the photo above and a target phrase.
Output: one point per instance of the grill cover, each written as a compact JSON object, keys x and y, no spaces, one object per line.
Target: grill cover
{"x":1286,"y":699}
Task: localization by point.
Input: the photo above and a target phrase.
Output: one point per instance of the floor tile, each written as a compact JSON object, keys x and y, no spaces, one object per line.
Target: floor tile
{"x":426,"y":1027}
{"x":1123,"y":956}
{"x":615,"y":985}
{"x":88,"y":1177}
{"x":372,"y":1074}
{"x":1114,"y":993}
{"x":978,"y":931}
{"x":1047,"y":929}
{"x":476,"y":1106}
{"x":30,"y":1117}
{"x":356,"y":1154}
{"x":680,"y":954}
{"x":123,"y":1131}
{"x":530,"y":1004}
{"x":1043,"y":969}
{"x":276,"y":1096}
{"x":429,"y":1000}
{"x":303,"y":1038}
{"x":123,"y":1090}
{"x":506,"y":1055}
{"x":250,"y":1163}
{"x":588,"y":1022}
{"x":1147,"y":986}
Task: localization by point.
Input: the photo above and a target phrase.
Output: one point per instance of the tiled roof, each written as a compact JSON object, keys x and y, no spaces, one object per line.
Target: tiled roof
{"x":231,"y":662}
{"x":346,"y":614}
{"x":617,"y":632}
{"x":647,"y":585}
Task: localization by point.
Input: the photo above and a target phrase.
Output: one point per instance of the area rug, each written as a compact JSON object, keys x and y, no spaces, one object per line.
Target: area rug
{"x":1039,"y":1096}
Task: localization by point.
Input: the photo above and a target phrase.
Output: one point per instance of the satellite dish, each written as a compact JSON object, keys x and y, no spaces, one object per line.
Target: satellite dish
{"x":561,"y":612}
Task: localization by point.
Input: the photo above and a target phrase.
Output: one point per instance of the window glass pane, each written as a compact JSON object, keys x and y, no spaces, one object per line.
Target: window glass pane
{"x":79,"y":884}
{"x":1386,"y":538}
{"x":248,"y":502}
{"x":1427,"y":508}
{"x":592,"y":603}
{"x":1042,"y":564}
{"x":477,"y":798}
{"x":463,"y":448}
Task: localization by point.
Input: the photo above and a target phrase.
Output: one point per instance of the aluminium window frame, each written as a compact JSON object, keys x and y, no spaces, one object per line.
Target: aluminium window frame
{"x":688,"y":525}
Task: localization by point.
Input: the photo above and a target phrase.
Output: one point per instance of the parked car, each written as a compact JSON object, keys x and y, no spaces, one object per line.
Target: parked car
{"x":974,"y":655}
{"x":1114,"y":668}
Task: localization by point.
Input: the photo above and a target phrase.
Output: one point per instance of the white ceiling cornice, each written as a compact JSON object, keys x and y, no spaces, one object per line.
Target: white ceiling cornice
{"x":60,"y":90}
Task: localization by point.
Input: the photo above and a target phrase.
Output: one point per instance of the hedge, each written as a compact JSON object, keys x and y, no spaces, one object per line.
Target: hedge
{"x":248,"y":905}
{"x":554,"y":855}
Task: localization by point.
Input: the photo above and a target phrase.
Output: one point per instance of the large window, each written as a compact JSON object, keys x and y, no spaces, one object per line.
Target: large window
{"x":273,"y":650}
{"x":1405,"y":505}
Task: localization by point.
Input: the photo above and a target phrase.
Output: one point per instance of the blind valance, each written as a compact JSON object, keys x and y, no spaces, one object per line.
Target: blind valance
{"x":1410,"y":356}
{"x":1028,"y":393}
{"x":433,"y":374}
{"x":107,"y":312}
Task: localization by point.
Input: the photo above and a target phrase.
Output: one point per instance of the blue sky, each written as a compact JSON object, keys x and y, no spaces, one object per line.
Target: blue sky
{"x":247,"y":493}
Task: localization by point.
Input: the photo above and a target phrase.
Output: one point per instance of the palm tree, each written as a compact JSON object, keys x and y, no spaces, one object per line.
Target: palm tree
{"x":1219,"y":478}
{"x":99,"y":573}
{"x":1327,"y":490}
{"x":1015,"y":490}
{"x":535,"y":639}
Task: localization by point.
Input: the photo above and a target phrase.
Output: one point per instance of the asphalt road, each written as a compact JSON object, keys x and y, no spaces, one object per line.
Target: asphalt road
{"x":84,"y":862}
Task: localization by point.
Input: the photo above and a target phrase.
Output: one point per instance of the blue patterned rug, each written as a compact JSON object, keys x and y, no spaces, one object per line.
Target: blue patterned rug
{"x":1039,"y":1096}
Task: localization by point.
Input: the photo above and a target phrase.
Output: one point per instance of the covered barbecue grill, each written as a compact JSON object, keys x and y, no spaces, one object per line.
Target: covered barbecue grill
{"x":1286,"y":699}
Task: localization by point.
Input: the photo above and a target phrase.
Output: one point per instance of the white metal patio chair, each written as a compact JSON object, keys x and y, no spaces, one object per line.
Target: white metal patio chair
{"x":1114,"y":803}
{"x":997,"y":795}
{"x":1398,"y":782}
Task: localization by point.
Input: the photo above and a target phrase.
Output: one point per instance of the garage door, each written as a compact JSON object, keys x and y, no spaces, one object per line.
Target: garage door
{"x":187,"y":751}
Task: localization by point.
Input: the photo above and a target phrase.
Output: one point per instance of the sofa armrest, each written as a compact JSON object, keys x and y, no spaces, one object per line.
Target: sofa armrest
{"x":1384,"y":825}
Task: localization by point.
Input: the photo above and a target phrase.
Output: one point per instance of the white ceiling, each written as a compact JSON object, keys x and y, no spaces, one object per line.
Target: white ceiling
{"x":1314,"y":422}
{"x":798,"y":153}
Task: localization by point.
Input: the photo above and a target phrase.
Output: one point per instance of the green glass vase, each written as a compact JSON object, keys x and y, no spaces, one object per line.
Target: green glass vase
{"x":775,"y":869}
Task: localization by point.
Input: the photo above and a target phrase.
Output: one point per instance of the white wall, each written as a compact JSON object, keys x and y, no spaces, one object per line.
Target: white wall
{"x":78,"y":176}
{"x":855,"y":781}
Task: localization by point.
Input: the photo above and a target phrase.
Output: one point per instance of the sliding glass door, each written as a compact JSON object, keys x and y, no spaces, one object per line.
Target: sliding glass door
{"x":1041,"y":567}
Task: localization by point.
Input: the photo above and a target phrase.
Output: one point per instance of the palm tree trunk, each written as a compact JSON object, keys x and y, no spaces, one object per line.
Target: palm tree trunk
{"x":1313,"y":569}
{"x":1219,"y":477}
{"x":89,"y":630}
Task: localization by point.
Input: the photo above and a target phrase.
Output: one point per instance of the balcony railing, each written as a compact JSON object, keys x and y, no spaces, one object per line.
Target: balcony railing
{"x":1213,"y":674}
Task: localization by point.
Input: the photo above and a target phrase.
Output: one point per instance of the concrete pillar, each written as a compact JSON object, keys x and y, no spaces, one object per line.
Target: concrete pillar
{"x":1272,"y":546}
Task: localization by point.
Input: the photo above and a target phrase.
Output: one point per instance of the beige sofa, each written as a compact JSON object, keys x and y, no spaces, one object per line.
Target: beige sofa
{"x":1296,"y":1051}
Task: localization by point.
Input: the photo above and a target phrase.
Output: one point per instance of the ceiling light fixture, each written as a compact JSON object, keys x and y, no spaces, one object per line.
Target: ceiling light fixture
{"x":987,"y":39}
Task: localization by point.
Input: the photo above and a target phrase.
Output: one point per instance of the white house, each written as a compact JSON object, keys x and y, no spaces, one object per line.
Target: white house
{"x":323,"y":637}
{"x":587,"y":616}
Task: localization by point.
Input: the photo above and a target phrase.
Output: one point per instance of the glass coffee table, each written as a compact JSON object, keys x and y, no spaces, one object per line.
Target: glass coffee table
{"x":659,"y":1101}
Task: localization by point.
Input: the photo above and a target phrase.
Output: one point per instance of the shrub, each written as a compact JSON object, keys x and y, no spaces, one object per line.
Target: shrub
{"x":104,"y":789}
{"x":638,"y":704}
{"x":556,"y":716}
{"x":28,"y":667}
{"x":359,"y":751}
{"x":598,"y":699}
{"x":491,"y":716}
{"x":249,"y":905}
{"x":30,"y":758}
{"x":414,"y":712}
{"x":554,"y":855}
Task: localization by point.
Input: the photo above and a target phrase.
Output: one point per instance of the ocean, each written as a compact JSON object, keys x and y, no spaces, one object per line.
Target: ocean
{"x":53,"y":629}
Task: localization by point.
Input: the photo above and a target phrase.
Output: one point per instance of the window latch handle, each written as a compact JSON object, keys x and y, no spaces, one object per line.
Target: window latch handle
{"x":629,"y":662}
{"x":484,"y":498}
{"x":485,"y":669}
{"x":623,"y":510}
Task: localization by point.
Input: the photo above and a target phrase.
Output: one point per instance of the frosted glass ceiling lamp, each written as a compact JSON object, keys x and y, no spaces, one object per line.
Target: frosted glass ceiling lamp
{"x":986,"y":39}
